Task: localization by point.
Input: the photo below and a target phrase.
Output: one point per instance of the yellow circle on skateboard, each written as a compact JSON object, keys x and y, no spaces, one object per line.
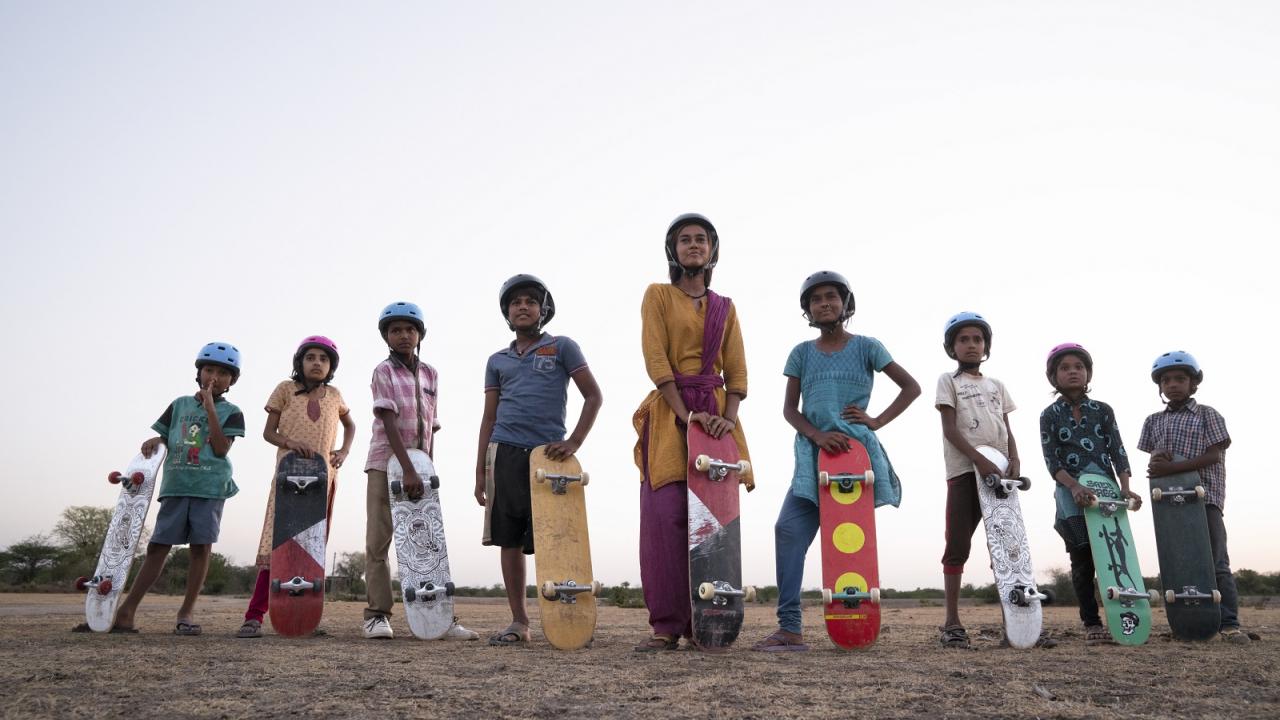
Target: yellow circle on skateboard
{"x":848,"y":537}
{"x":845,"y":498}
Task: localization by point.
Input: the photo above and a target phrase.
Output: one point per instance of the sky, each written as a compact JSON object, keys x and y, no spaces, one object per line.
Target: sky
{"x":172,"y":173}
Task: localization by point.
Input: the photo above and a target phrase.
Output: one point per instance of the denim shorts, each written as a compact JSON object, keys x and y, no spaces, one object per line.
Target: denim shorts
{"x":187,"y":521}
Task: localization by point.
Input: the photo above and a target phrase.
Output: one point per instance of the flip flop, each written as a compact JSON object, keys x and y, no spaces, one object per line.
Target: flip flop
{"x":186,"y":628}
{"x":515,"y":634}
{"x":250,"y":629}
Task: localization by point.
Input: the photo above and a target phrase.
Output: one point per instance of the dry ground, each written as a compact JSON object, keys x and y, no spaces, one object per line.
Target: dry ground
{"x":46,"y":671}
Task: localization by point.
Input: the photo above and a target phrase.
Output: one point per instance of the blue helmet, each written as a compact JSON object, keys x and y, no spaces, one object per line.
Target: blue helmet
{"x":961,"y":320}
{"x":401,"y":311}
{"x":218,"y":353}
{"x":1176,"y":359}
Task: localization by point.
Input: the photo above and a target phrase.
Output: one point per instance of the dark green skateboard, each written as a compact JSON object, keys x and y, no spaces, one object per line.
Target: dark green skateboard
{"x":1186,"y":561}
{"x":1124,"y":597}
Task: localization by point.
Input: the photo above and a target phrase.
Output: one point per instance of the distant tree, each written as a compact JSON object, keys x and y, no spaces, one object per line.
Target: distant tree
{"x":22,"y":562}
{"x":82,"y":529}
{"x":352,"y":565}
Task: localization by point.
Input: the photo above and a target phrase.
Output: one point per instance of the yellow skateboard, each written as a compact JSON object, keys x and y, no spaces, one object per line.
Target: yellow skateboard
{"x":566,"y":587}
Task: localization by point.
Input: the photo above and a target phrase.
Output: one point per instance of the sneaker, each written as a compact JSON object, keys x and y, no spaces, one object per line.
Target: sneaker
{"x":1236,"y":636}
{"x":457,"y":632}
{"x":378,"y":628}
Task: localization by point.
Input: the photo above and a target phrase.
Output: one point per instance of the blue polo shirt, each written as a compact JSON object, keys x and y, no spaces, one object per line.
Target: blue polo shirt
{"x":532,"y":390}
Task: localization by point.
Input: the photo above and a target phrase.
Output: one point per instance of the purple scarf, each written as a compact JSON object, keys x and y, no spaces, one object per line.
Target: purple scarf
{"x":698,"y":391}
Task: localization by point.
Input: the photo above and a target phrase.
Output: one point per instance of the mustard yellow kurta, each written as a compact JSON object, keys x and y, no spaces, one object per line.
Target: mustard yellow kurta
{"x":671,"y":339}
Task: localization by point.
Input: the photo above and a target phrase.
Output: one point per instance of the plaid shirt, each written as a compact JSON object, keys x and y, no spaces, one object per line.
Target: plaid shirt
{"x":1189,"y":431}
{"x":394,"y":389}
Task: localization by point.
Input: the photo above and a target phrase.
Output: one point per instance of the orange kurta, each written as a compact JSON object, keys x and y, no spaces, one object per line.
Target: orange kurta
{"x":671,"y":339}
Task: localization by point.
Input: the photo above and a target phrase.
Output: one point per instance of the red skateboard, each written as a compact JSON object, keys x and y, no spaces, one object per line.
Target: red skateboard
{"x":297,"y":545}
{"x":850,"y":576}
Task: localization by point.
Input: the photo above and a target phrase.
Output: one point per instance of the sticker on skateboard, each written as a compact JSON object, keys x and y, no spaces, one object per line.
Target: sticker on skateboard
{"x":421,"y":553}
{"x":847,"y":521}
{"x":1125,"y":598}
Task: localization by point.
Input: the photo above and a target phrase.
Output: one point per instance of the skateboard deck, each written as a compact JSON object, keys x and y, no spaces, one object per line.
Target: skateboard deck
{"x":297,"y":545}
{"x":1124,"y":596}
{"x":1010,"y":553}
{"x":1187,"y":576}
{"x":567,"y":589}
{"x":418,"y":531}
{"x":850,"y":575}
{"x":715,"y":543}
{"x":137,"y":483}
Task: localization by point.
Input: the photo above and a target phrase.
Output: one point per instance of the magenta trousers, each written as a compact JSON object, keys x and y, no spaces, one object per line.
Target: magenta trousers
{"x":664,"y":558}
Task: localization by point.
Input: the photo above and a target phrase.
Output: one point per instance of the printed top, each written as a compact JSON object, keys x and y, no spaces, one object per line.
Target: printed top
{"x":192,"y":469}
{"x":532,"y":390}
{"x":412,"y":397}
{"x":1091,"y":445}
{"x":980,"y":402}
{"x":1189,"y":431}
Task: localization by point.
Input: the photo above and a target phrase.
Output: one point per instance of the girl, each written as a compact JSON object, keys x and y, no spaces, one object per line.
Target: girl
{"x":693,"y":353}
{"x":302,"y":416}
{"x":834,"y":375}
{"x":1079,"y":435}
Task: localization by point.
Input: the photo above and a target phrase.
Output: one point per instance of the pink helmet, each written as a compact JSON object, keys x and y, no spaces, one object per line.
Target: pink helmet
{"x":1067,"y":349}
{"x":322,"y":342}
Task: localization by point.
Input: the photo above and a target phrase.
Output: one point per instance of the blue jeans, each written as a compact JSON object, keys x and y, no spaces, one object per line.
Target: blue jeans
{"x":792,"y":535}
{"x":1222,"y":568}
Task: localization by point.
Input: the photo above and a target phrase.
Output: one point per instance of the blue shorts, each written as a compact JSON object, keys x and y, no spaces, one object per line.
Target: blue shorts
{"x":187,"y":521}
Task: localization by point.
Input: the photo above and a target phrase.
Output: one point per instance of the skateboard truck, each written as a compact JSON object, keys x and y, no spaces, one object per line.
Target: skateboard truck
{"x":1191,"y":595}
{"x":852,"y":597}
{"x":427,"y":591}
{"x":1022,"y":595}
{"x":397,"y":488}
{"x":560,"y":482}
{"x":719,"y":591}
{"x":131,"y":483}
{"x":1110,"y":506}
{"x":568,"y":591}
{"x":717,"y":469}
{"x":845,"y":482}
{"x":297,"y":586}
{"x":1128,"y":595}
{"x":98,"y":582}
{"x":1177,"y":495}
{"x":1002,"y":486}
{"x":299,"y":483}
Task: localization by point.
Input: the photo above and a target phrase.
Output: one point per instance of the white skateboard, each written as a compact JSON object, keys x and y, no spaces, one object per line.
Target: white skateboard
{"x":421,"y":553}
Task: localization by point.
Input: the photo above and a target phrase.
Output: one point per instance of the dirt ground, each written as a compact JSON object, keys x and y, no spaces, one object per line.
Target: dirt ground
{"x":47,"y":671}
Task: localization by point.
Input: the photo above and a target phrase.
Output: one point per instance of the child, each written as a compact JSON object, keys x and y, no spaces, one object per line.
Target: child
{"x":198,"y":431}
{"x":404,"y":410}
{"x":302,"y":416}
{"x":833,"y":375}
{"x":975,"y":411}
{"x":1079,"y":435}
{"x":1199,"y":434}
{"x":525,"y":391}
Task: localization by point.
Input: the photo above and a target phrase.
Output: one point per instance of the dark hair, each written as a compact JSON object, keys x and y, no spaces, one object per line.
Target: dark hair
{"x":1053,"y":370}
{"x":300,"y":378}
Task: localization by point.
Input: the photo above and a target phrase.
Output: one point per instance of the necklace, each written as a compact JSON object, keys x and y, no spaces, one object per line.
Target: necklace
{"x":691,"y":295}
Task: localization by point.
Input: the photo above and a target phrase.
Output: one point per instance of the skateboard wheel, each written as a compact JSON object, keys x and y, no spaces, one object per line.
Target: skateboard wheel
{"x":826,"y":596}
{"x":1217,"y":597}
{"x":1017,"y":597}
{"x":1113,"y":593}
{"x":410,"y":595}
{"x":1049,"y":597}
{"x":585,"y":479}
{"x":1024,"y":483}
{"x":1200,"y":492}
{"x":706,"y":591}
{"x":1131,"y":504}
{"x":114,"y":478}
{"x":1156,"y":494}
{"x":749,"y":594}
{"x":823,"y":478}
{"x":317,"y":585}
{"x":745,"y":468}
{"x":448,"y":589}
{"x":540,"y":475}
{"x":1093,"y":502}
{"x":596,"y":588}
{"x":549,"y":590}
{"x":104,"y":587}
{"x":434,"y":482}
{"x":869,"y":477}
{"x":396,"y":487}
{"x":81,"y":583}
{"x":702,"y":463}
{"x":1169,"y":597}
{"x":137,"y":478}
{"x":875,"y":596}
{"x":1153,"y":596}
{"x":275,"y":586}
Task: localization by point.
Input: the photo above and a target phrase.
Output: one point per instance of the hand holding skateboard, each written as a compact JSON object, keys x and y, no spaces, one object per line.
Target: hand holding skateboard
{"x":715,"y":425}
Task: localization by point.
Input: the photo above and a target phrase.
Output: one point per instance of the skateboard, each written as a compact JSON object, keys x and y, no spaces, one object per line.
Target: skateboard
{"x":850,"y":576}
{"x":418,"y":530}
{"x":566,"y":587}
{"x":1020,"y":599}
{"x":1191,"y":594}
{"x":715,"y":542}
{"x":138,"y":482}
{"x":297,"y":545}
{"x":1124,"y":597}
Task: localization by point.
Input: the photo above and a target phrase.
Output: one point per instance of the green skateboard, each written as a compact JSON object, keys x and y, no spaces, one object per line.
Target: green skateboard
{"x":1124,"y":597}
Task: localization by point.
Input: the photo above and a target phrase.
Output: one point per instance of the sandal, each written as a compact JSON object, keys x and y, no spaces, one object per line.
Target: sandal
{"x":954,"y":637}
{"x":250,"y":629}
{"x":186,"y":628}
{"x":515,"y":634}
{"x":1236,"y":636}
{"x":781,"y":641}
{"x":658,"y":643}
{"x":1097,"y":635}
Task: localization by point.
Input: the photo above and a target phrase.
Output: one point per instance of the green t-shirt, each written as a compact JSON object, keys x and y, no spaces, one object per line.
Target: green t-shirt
{"x":192,"y":469}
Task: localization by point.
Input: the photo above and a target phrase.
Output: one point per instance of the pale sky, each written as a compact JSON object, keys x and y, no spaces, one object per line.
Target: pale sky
{"x":1099,"y":172}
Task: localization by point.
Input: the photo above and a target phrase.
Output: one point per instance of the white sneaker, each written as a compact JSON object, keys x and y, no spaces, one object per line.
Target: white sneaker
{"x":377,"y":628}
{"x":457,"y":632}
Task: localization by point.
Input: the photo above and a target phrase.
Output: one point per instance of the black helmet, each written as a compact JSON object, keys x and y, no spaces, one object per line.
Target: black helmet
{"x":827,"y":277}
{"x":692,"y":219}
{"x":963,"y":320}
{"x":515,"y":282}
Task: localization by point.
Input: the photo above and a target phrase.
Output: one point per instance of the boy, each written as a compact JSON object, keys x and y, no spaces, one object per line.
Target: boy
{"x":198,"y":431}
{"x":1198,"y":433}
{"x":404,"y":407}
{"x":525,"y":393}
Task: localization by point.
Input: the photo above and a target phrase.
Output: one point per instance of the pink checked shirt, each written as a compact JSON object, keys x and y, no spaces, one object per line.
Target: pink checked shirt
{"x":394,"y":389}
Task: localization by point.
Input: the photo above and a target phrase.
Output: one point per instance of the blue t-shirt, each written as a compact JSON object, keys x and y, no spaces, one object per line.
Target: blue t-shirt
{"x":829,"y":382}
{"x":191,"y":468}
{"x":532,"y":390}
